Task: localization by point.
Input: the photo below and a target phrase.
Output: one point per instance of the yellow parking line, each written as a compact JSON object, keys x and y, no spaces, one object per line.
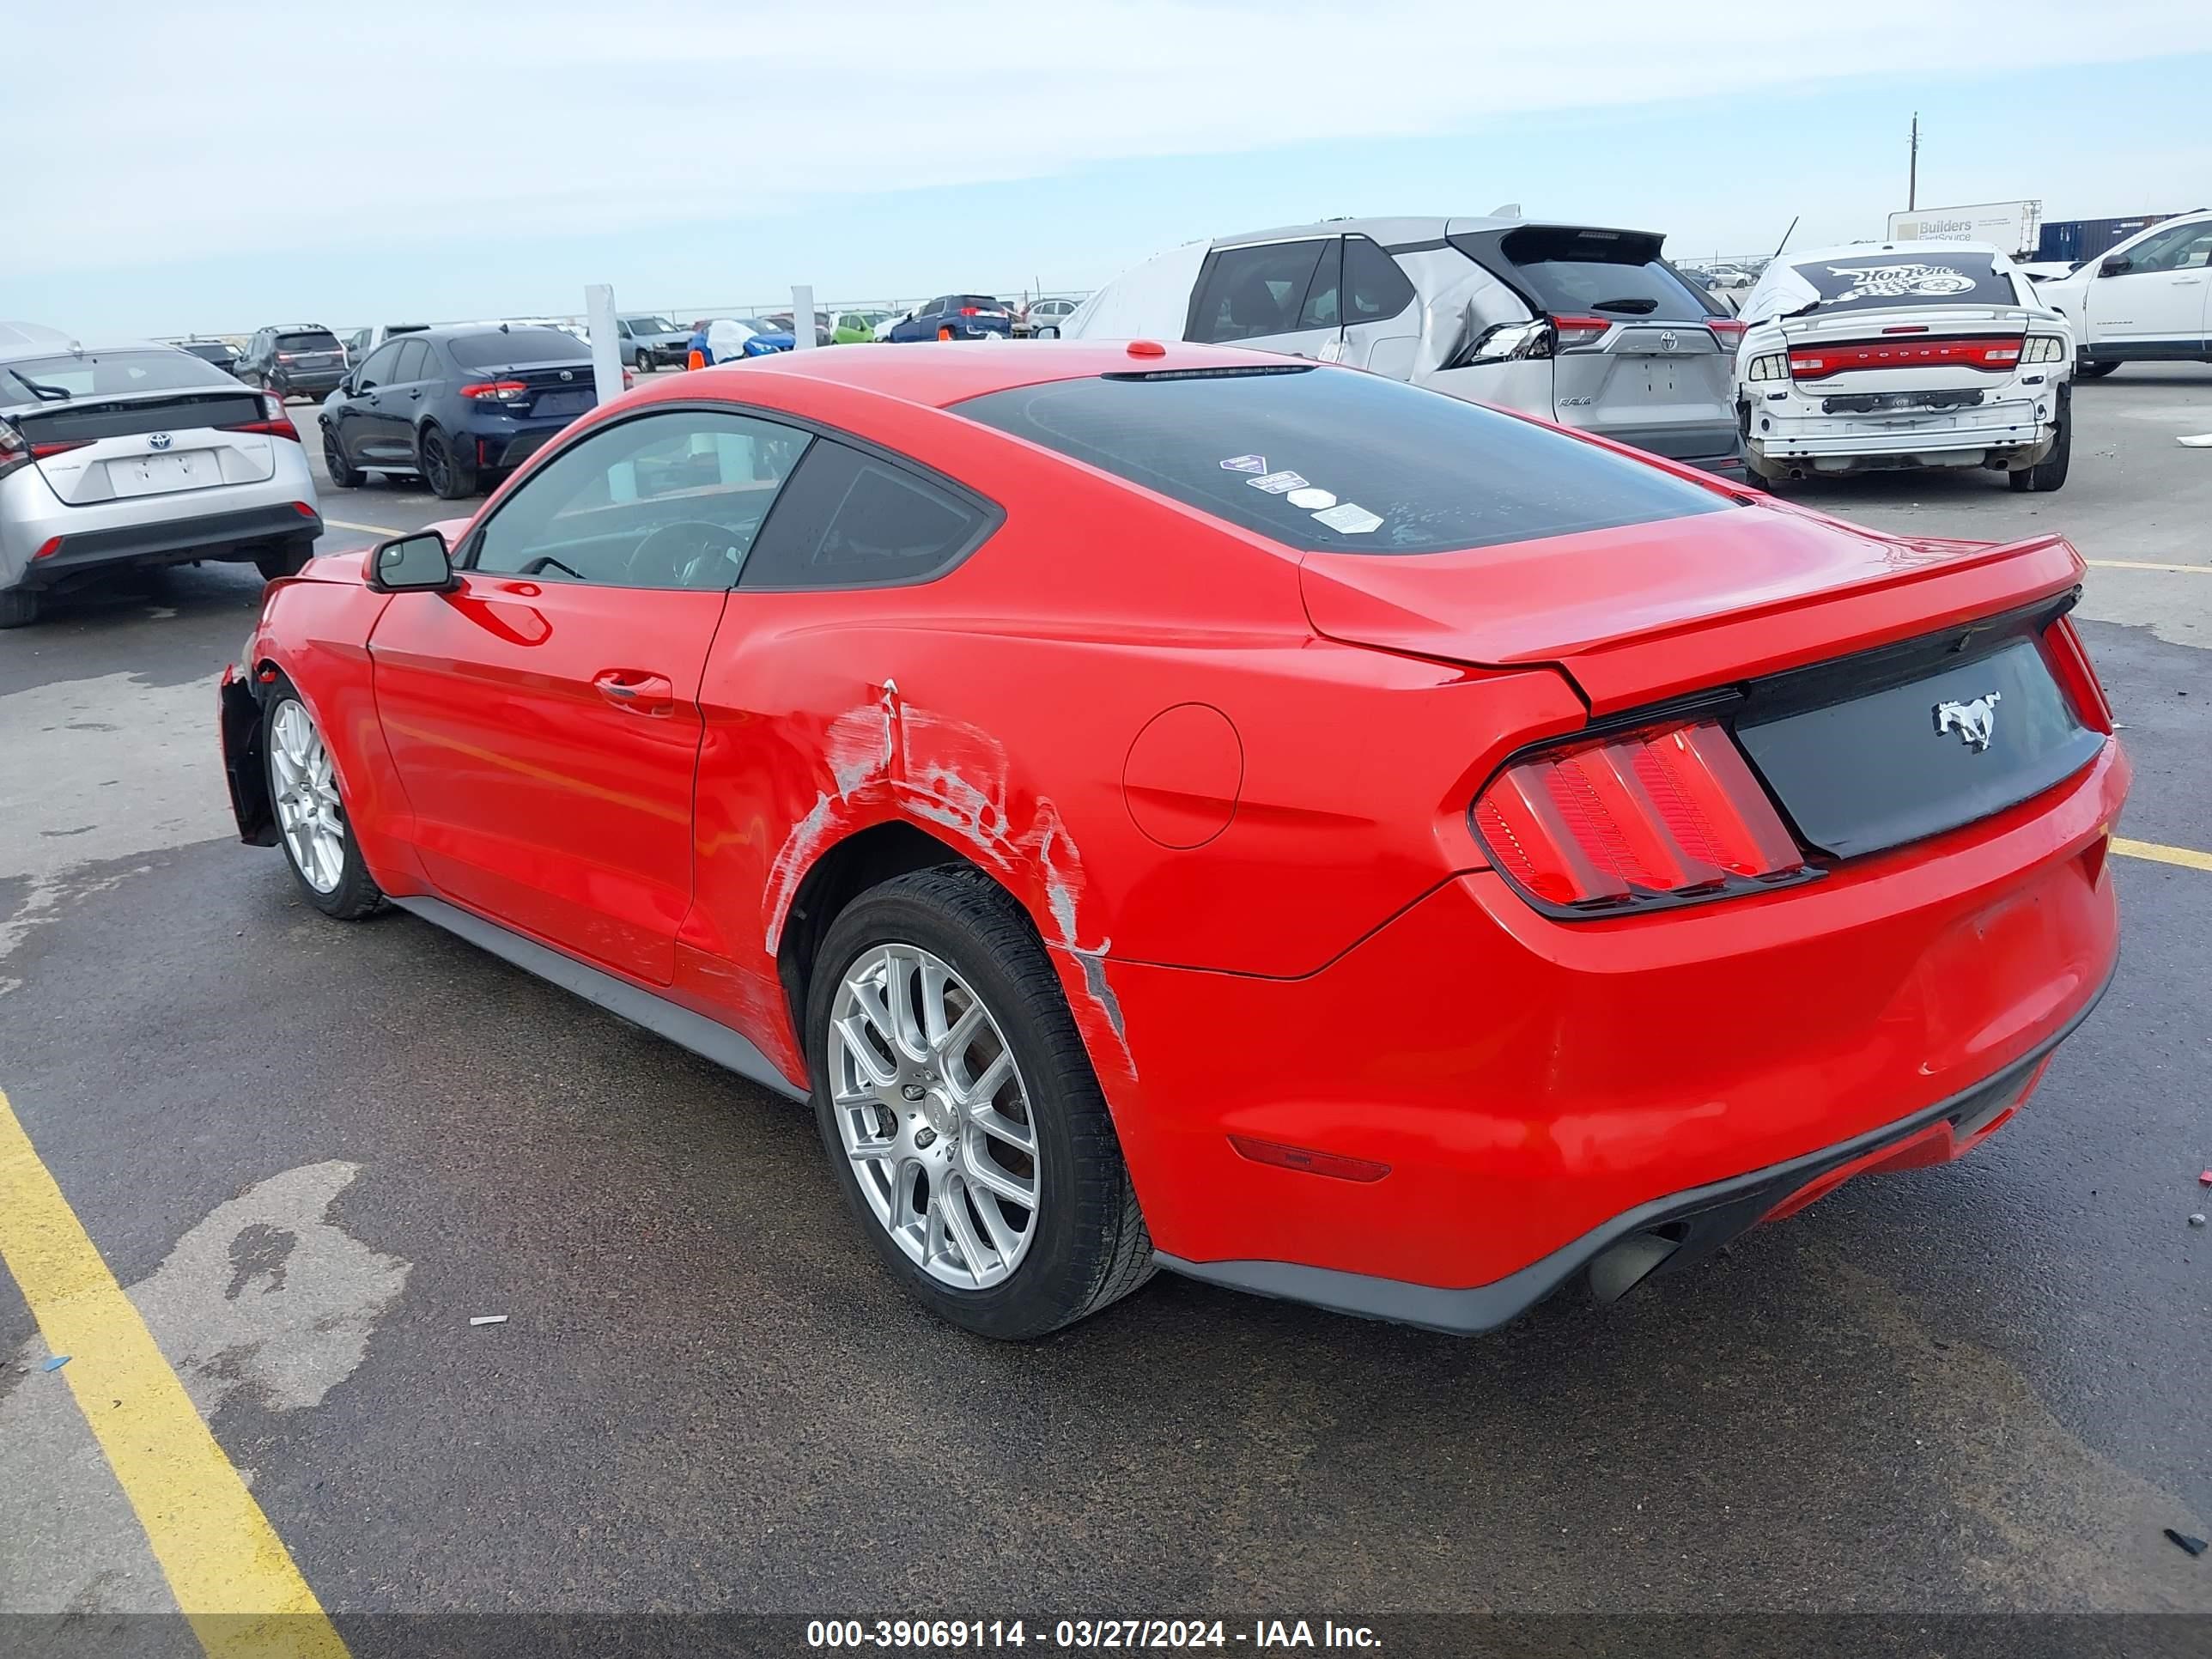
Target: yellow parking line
{"x":373,"y":529}
{"x":231,"y":1574}
{"x":2138,"y":564}
{"x":2188,"y":857}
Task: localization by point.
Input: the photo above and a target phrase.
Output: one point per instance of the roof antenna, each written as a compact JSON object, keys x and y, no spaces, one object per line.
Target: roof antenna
{"x":1787,"y":235}
{"x":1511,"y":210}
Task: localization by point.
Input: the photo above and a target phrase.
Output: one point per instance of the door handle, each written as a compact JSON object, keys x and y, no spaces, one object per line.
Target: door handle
{"x":635,"y":691}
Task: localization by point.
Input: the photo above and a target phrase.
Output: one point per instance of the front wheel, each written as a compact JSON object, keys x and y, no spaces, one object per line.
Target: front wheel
{"x":960,"y":1111}
{"x":303,"y":789}
{"x":450,"y":478}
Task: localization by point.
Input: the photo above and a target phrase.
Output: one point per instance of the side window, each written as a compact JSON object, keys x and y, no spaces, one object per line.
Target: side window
{"x":378,"y":370}
{"x":2184,"y":249}
{"x":2167,"y":250}
{"x":1249,"y":291}
{"x":850,"y":520}
{"x":1324,"y":306}
{"x":415,"y":362}
{"x":663,"y":500}
{"x":1375,"y":287}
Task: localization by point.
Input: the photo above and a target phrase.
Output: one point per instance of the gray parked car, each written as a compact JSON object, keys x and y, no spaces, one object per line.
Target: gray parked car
{"x":126,"y":456}
{"x":1584,"y":325}
{"x":651,"y":343}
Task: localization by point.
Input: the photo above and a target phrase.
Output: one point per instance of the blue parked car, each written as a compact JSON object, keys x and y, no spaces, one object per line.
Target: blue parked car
{"x":958,"y":317}
{"x":455,"y":405}
{"x":758,"y":338}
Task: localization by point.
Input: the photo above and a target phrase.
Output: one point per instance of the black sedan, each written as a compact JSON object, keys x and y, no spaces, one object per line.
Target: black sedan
{"x":456,"y":406}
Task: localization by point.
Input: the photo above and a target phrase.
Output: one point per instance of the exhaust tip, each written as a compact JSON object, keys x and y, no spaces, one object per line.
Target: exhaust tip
{"x":1622,"y":1266}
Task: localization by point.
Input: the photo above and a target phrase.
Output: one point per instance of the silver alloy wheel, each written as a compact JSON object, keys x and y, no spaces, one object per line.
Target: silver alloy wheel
{"x":306,"y":798}
{"x":935,"y":1116}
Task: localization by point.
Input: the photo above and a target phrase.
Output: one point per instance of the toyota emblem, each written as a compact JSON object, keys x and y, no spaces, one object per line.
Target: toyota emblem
{"x":567,"y":373}
{"x":1667,"y":341}
{"x":159,"y":441}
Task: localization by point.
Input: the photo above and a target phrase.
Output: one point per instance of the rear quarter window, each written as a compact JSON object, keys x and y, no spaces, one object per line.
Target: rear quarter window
{"x":852,"y":520}
{"x":1334,"y":461}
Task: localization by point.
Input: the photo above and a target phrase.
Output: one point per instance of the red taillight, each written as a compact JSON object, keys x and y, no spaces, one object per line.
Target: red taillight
{"x":1655,"y":816}
{"x":971,"y":311}
{"x":1579,"y":330}
{"x":1728,"y":330}
{"x":51,"y":546}
{"x":286,"y":356}
{"x":1817,"y":362}
{"x":2070,"y":663}
{"x":276,"y":423}
{"x":492,"y":390}
{"x":15,"y":452}
{"x":303,"y":509}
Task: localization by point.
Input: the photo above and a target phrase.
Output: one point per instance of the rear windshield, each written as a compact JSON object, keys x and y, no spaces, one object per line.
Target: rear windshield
{"x":313,"y":339}
{"x":1885,"y":281}
{"x":494,"y":349}
{"x":980,"y":301}
{"x":215,"y":352}
{"x":1606,"y":273}
{"x":1332,"y":460}
{"x":103,"y":373}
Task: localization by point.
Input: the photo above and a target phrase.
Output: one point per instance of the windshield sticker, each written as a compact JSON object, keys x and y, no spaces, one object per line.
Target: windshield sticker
{"x":1898,"y":281}
{"x":1245,"y":463}
{"x":1310,"y":499}
{"x":1276,"y":484}
{"x":1349,"y":519}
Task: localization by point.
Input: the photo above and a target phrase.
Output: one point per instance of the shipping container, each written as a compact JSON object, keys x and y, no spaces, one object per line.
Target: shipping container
{"x":2077,"y":239}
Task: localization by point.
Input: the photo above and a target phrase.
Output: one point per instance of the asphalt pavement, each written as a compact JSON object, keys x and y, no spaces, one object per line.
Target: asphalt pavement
{"x":311,"y":1153}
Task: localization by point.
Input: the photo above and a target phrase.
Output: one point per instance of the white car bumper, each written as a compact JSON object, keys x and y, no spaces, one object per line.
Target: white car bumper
{"x":2006,"y":430}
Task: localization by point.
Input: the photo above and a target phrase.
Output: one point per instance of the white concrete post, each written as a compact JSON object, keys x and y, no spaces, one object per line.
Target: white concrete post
{"x":606,"y":341}
{"x":802,"y":316}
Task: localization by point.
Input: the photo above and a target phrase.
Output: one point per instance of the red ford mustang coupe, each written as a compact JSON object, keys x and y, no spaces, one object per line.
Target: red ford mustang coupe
{"x":1180,"y":807}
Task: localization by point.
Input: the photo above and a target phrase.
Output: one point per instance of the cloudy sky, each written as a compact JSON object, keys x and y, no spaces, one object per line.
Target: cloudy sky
{"x":224,"y":163}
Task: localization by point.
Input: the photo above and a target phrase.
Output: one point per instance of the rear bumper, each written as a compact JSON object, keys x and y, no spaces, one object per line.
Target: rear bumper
{"x":497,"y":440}
{"x":308,"y":383}
{"x":2013,"y":429}
{"x":1667,"y":1234}
{"x":1540,"y":1089}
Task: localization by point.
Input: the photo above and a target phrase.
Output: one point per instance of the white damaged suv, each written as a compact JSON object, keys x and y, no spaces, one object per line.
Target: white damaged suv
{"x":1903,"y":354}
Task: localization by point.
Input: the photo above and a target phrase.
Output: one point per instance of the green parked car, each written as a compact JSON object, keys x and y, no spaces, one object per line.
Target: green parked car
{"x":853,"y":327}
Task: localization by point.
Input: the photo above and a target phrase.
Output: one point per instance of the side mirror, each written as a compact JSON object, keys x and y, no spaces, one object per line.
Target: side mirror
{"x":411,"y":564}
{"x":2116,"y":265}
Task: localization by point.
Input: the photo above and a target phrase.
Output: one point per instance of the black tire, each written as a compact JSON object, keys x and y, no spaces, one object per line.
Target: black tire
{"x":289,"y":560}
{"x":343,"y":473}
{"x":2050,"y":472}
{"x":1091,"y":1246}
{"x":449,"y":476}
{"x":19,"y":607}
{"x":2089,"y":371}
{"x":355,"y":894}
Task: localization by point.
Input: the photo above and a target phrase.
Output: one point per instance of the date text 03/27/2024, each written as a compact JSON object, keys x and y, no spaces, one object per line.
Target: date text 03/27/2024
{"x":1084,"y":1633}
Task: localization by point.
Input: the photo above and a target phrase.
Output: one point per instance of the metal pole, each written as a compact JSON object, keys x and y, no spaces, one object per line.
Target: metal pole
{"x":802,"y":315}
{"x":606,"y":341}
{"x":1912,"y":168}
